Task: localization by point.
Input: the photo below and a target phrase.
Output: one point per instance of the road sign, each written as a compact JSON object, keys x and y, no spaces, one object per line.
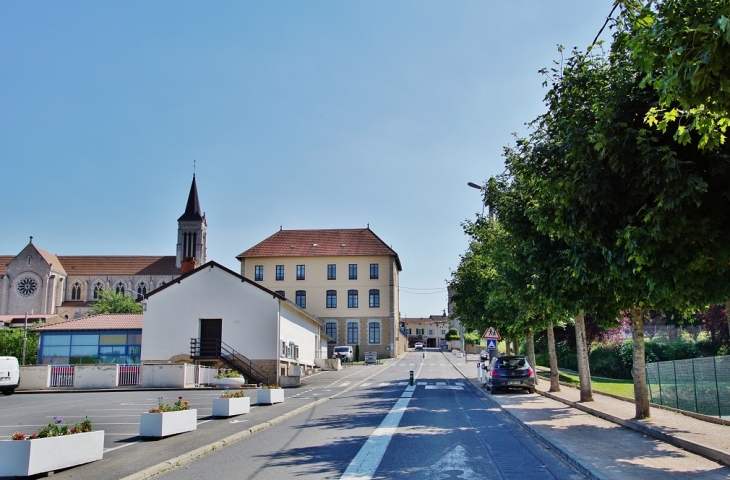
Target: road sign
{"x":491,"y":344}
{"x":491,"y":333}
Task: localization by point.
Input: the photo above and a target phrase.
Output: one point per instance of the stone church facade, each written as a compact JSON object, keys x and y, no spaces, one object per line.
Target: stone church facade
{"x":36,"y":281}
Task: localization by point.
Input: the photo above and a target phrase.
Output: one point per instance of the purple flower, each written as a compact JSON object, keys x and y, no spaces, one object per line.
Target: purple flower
{"x":58,"y":419}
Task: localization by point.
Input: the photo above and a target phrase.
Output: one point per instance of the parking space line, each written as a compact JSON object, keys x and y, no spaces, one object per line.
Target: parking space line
{"x":121,"y":446}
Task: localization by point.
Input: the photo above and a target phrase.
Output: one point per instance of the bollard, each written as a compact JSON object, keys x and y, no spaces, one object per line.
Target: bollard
{"x":411,"y":382}
{"x":424,"y":354}
{"x":479,"y":372}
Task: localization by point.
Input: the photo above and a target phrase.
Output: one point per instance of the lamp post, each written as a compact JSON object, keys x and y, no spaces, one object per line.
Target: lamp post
{"x":474,"y":185}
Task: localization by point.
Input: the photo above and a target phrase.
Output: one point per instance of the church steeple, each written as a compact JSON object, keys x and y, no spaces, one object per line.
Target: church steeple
{"x":192,"y":230}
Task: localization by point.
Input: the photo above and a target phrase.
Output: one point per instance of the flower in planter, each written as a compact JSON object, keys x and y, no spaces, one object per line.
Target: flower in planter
{"x":228,"y":374}
{"x":166,"y":407}
{"x":55,"y":429}
{"x":269,"y":387}
{"x":229,"y":394}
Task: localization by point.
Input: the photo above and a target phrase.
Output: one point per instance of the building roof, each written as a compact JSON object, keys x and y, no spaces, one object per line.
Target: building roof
{"x":52,"y":259}
{"x":110,"y":321}
{"x":4,"y":260}
{"x":321,"y":243}
{"x":119,"y":265}
{"x":192,"y":209}
{"x":431,"y":319}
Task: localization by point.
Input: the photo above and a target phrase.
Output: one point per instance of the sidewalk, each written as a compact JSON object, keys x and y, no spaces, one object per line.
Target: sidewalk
{"x":590,"y":435}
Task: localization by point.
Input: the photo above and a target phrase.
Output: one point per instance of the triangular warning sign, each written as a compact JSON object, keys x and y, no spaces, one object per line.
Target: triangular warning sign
{"x":491,"y":333}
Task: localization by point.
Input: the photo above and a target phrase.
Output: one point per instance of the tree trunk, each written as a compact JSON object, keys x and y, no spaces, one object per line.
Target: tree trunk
{"x":727,"y":313}
{"x":638,"y":371}
{"x":531,"y":351}
{"x":584,"y":369}
{"x":508,"y":346}
{"x":554,"y":373}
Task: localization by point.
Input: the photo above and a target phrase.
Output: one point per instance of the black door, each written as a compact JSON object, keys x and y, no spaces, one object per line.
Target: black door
{"x":211,"y":330}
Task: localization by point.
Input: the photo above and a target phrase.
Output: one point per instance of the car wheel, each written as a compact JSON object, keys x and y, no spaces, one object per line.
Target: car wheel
{"x":8,"y":391}
{"x":531,"y":390}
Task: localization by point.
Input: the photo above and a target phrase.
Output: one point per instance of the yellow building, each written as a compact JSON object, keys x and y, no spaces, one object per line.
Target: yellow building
{"x":346,"y":277}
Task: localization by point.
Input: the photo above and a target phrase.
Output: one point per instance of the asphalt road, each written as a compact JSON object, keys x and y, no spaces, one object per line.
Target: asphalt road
{"x":444,"y":430}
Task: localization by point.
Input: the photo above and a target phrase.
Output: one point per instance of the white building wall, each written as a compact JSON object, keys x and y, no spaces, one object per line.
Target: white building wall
{"x":300,"y":330}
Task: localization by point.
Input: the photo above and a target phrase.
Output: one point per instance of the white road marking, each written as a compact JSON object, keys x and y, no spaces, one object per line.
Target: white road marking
{"x":402,"y":384}
{"x":453,"y":462}
{"x":122,"y":446}
{"x":366,"y":462}
{"x":366,"y":384}
{"x":384,"y":384}
{"x":421,"y":383}
{"x":440,"y":383}
{"x":344,"y":384}
{"x":444,"y":387}
{"x":461,"y":384}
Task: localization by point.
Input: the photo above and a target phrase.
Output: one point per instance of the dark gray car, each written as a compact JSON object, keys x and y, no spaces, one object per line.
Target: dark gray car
{"x":510,"y":371}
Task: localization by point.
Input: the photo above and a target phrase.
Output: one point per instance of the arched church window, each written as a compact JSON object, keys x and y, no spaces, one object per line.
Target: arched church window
{"x":141,"y":290}
{"x":119,"y":287}
{"x":29,"y":259}
{"x":76,"y":291}
{"x":98,"y":288}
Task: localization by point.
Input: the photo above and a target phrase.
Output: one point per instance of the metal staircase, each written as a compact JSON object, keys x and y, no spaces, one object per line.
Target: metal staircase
{"x":215,"y":349}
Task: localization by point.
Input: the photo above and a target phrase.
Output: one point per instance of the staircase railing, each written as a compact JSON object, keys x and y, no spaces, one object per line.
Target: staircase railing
{"x":206,"y":349}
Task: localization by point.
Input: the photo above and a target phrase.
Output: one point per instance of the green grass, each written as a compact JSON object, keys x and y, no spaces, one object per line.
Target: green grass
{"x":622,"y":388}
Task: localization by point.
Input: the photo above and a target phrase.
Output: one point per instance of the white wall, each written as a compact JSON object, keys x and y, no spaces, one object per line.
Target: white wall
{"x":172,"y":316}
{"x":34,"y":377}
{"x":163,"y":376}
{"x":301,"y":330}
{"x":96,"y":376}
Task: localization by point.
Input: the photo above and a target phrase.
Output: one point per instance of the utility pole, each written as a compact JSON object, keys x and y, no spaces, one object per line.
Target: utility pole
{"x":25,"y":335}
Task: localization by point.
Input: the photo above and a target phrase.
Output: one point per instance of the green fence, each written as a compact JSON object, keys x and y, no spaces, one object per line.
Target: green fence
{"x":700,"y":385}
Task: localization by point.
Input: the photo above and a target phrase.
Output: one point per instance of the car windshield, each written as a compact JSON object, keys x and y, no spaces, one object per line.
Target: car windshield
{"x":511,"y":362}
{"x":342,"y":349}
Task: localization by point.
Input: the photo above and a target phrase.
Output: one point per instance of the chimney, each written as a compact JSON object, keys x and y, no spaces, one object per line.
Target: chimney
{"x":187,"y":265}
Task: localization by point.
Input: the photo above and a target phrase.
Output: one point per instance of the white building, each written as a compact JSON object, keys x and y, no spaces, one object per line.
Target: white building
{"x":229,"y":318}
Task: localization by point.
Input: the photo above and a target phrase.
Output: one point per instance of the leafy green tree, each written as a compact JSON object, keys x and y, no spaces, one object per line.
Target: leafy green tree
{"x":682,"y":48}
{"x":112,"y":302}
{"x":11,"y":344}
{"x":452,"y":334}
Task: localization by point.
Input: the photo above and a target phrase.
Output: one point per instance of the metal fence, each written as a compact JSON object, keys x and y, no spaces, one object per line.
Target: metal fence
{"x":196,"y":375}
{"x":700,"y":385}
{"x":62,"y":376}
{"x":128,"y":375}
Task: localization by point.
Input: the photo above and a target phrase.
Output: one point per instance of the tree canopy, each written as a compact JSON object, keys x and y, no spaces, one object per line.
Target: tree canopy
{"x":112,"y":302}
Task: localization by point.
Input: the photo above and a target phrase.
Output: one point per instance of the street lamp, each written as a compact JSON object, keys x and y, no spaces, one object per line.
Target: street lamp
{"x":474,"y":185}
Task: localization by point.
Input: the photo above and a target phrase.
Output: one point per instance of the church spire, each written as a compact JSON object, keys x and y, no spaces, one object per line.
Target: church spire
{"x":192,"y":209}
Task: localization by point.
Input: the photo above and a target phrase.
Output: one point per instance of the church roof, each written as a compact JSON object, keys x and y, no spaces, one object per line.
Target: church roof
{"x":110,"y":321}
{"x":192,"y":209}
{"x":4,"y":260}
{"x":51,"y":259}
{"x":321,"y":243}
{"x":119,"y":265}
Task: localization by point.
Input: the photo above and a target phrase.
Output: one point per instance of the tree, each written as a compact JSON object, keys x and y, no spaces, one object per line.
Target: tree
{"x":11,"y":344}
{"x":452,"y":334}
{"x":682,"y":48}
{"x":112,"y":302}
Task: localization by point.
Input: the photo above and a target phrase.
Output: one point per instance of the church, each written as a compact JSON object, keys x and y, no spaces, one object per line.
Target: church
{"x":46,"y":285}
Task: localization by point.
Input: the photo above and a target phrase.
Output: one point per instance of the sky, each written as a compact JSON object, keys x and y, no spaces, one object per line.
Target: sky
{"x":294,"y":114}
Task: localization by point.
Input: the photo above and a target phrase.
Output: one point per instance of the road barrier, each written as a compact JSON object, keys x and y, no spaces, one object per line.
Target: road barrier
{"x":700,"y":385}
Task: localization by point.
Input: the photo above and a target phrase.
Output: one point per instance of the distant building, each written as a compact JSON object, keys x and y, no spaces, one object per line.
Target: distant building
{"x":431,"y":331}
{"x":346,"y":277}
{"x":47,"y":284}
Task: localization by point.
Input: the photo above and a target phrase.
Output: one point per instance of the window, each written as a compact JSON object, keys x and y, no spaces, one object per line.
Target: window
{"x":419,"y":331}
{"x":408,"y":331}
{"x":119,"y":287}
{"x":374,"y":298}
{"x":281,"y":292}
{"x":373,"y":271}
{"x":352,"y":336}
{"x":330,"y":329}
{"x":331,"y":298}
{"x":300,"y":272}
{"x":141,"y":290}
{"x":301,"y":299}
{"x":29,"y":260}
{"x":280,"y":272}
{"x":258,"y":273}
{"x":443,"y":332}
{"x":430,"y":332}
{"x":374,"y":333}
{"x":331,"y":271}
{"x":98,"y":288}
{"x":352,"y":299}
{"x":353,"y":271}
{"x":76,"y":291}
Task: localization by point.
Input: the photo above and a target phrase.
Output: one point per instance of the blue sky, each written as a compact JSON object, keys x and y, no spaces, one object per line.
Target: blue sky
{"x":317,"y":114}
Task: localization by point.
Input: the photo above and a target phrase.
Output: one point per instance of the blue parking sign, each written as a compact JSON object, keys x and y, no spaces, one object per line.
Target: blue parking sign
{"x":491,"y":344}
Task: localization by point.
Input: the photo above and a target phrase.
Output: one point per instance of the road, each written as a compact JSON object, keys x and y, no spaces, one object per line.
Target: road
{"x":444,"y":430}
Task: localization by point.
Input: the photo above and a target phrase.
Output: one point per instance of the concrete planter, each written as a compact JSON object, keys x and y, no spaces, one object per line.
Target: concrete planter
{"x":167,"y":423}
{"x":229,"y":382}
{"x":228,"y":407}
{"x":295,"y":371}
{"x":270,"y":396}
{"x":21,"y":458}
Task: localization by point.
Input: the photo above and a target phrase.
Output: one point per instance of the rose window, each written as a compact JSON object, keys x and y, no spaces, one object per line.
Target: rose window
{"x":27,"y":286}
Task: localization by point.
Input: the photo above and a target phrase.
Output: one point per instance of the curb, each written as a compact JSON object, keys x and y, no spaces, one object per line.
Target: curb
{"x":694,"y":447}
{"x":566,"y":455}
{"x":188,"y":457}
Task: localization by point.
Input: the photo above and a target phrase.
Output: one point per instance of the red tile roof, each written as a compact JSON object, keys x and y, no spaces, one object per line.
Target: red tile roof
{"x":116,"y":321}
{"x":320,"y":243}
{"x":107,"y":264}
{"x":52,"y":260}
{"x":431,"y":319}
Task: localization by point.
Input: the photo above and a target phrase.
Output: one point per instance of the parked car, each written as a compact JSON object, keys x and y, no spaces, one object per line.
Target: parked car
{"x":9,"y":375}
{"x":344,"y":353}
{"x":418,"y":346}
{"x":511,"y":371}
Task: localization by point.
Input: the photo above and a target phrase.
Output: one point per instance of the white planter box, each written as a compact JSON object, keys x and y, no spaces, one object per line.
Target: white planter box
{"x":228,"y":407}
{"x":29,"y":457}
{"x":270,"y":396}
{"x":167,"y":423}
{"x":229,"y":382}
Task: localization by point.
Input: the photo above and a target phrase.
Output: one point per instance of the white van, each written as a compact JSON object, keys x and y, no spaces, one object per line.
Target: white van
{"x":9,"y":375}
{"x":344,"y":352}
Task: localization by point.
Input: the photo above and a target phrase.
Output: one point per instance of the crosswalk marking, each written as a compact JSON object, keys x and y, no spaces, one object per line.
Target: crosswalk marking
{"x":344,"y":384}
{"x":384,"y":384}
{"x":440,"y":383}
{"x":366,"y":384}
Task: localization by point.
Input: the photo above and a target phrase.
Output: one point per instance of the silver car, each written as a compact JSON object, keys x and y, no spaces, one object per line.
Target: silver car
{"x":510,"y":371}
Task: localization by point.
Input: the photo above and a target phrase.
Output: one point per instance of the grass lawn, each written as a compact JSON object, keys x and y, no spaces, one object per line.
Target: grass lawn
{"x":622,"y":388}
